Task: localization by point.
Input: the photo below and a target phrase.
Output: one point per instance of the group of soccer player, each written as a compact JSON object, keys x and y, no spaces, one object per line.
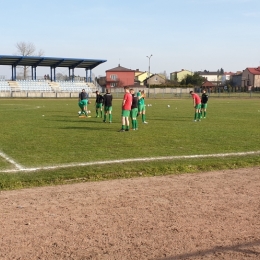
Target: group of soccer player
{"x":106,"y":102}
{"x":133,"y":105}
{"x":200,"y":104}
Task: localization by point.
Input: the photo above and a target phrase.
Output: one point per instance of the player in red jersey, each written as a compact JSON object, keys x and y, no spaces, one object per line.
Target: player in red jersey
{"x":197,"y":105}
{"x":126,"y":109}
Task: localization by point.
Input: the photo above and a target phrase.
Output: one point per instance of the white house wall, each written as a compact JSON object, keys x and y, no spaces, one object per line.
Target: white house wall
{"x":210,"y":77}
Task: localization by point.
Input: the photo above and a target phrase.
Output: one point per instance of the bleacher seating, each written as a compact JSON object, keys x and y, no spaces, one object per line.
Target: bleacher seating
{"x":46,"y":86}
{"x":70,"y":86}
{"x":4,"y":86}
{"x":34,"y":85}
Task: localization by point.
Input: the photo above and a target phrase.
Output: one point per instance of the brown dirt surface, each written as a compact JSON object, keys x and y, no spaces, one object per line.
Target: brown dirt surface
{"x":213,"y":215}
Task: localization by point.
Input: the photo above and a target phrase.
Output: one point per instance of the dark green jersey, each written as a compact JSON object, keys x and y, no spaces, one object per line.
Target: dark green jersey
{"x":204,"y":98}
{"x":83,"y":95}
{"x":99,"y":98}
{"x":108,"y":100}
{"x":134,"y":101}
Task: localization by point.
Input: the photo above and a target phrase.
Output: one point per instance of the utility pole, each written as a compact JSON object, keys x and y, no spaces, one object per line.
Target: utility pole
{"x":149,"y":57}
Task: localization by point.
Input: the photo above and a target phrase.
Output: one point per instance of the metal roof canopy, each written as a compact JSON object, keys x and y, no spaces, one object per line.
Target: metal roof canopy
{"x":52,"y":62}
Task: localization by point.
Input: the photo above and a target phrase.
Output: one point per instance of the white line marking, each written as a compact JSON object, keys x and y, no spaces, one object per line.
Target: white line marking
{"x":10,"y":160}
{"x":20,"y":168}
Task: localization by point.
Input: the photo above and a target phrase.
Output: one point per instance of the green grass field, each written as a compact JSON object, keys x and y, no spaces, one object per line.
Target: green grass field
{"x":42,"y":133}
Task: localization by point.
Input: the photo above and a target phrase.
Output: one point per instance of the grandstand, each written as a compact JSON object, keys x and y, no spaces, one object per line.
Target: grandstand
{"x":45,"y":88}
{"x":49,"y":87}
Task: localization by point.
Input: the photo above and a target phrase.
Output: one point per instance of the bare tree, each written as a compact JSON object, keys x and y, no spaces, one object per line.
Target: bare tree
{"x":60,"y":76}
{"x":164,"y":74}
{"x":27,"y":49}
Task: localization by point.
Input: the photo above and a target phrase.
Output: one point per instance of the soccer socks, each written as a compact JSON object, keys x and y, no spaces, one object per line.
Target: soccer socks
{"x":134,"y":124}
{"x":143,"y":117}
{"x":101,"y":113}
{"x":205,"y":113}
{"x":196,"y":116}
{"x":109,"y":117}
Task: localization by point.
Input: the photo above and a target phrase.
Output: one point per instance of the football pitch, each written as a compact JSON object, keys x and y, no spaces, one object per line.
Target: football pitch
{"x":44,"y":142}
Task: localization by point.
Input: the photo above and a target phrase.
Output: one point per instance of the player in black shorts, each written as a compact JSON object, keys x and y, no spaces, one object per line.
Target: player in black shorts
{"x":204,"y":104}
{"x":134,"y":110}
{"x":107,"y":102}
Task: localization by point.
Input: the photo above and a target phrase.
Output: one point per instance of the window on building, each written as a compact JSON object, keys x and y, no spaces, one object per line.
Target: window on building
{"x":113,"y":76}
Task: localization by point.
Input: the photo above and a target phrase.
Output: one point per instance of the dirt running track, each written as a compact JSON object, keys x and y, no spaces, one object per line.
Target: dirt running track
{"x":212,"y":215}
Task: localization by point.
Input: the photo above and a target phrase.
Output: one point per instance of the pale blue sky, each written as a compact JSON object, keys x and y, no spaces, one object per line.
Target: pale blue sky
{"x":180,"y":34}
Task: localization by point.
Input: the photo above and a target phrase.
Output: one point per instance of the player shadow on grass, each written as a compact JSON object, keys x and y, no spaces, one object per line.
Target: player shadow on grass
{"x":181,"y":119}
{"x":240,"y":248}
{"x":72,"y":119}
{"x":86,"y":127}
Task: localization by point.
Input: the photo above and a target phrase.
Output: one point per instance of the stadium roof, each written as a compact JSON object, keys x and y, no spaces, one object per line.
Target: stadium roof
{"x":52,"y":62}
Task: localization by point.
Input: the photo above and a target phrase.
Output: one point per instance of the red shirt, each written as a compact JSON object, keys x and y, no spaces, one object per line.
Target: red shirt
{"x":127,"y":101}
{"x":197,"y":99}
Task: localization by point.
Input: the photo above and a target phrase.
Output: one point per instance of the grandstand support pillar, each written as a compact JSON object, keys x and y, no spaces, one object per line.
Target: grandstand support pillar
{"x":33,"y":73}
{"x":54,"y":72}
{"x":73,"y":74}
{"x":90,"y":76}
{"x":86,"y":75}
{"x":51,"y":72}
{"x":13,"y":72}
{"x":69,"y":73}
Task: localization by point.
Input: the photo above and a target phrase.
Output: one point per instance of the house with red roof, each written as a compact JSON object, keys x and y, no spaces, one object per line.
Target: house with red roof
{"x":207,"y":85}
{"x":251,"y":78}
{"x":120,"y":77}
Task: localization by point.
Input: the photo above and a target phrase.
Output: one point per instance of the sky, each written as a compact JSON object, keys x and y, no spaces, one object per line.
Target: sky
{"x":179,"y":34}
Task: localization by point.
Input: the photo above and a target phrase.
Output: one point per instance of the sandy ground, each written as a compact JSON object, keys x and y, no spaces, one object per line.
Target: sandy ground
{"x":212,"y":215}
